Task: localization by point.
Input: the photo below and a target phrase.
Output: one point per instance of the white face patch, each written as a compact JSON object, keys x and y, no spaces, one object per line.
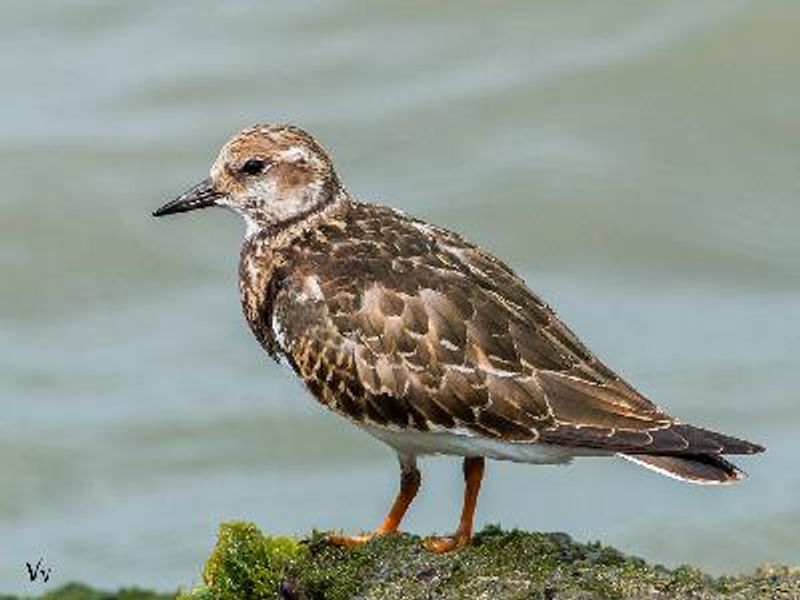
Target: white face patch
{"x":264,"y":202}
{"x":296,"y":154}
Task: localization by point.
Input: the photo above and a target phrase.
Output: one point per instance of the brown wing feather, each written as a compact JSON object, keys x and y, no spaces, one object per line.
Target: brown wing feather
{"x":395,"y":322}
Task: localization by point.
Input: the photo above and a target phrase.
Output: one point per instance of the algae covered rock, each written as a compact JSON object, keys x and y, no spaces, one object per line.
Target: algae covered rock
{"x":79,"y":591}
{"x":245,"y":565}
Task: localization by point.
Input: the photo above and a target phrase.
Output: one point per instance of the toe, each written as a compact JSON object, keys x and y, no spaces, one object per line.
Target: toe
{"x":350,"y":540}
{"x":448,"y":543}
{"x":354,"y":540}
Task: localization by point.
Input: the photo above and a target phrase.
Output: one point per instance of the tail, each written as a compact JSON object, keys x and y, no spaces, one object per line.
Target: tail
{"x":697,"y":464}
{"x":707,"y":469}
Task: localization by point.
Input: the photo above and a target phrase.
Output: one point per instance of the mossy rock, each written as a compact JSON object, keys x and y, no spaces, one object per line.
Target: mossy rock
{"x":78,"y":591}
{"x":247,"y":565}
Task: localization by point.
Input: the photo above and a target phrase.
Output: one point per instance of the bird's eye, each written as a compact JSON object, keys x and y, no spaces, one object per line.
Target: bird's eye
{"x":254,"y":166}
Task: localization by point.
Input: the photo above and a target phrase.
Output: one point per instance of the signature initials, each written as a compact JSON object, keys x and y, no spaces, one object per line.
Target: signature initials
{"x":39,"y":570}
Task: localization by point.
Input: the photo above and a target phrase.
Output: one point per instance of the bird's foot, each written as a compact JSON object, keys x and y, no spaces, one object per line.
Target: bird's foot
{"x":355,"y":540}
{"x":447,"y":543}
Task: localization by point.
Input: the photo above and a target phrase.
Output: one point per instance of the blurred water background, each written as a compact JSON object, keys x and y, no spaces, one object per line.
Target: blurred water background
{"x":638,"y":162}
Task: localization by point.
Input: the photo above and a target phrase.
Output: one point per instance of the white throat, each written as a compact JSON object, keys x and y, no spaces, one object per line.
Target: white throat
{"x":253,"y":226}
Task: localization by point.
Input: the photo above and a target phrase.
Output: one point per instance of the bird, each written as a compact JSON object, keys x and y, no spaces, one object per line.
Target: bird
{"x":423,"y":339}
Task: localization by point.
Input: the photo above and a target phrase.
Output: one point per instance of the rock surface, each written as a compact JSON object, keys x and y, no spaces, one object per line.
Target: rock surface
{"x":499,"y":566}
{"x":248,"y":565}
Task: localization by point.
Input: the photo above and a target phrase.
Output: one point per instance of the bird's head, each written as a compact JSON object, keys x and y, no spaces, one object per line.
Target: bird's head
{"x":269,"y":174}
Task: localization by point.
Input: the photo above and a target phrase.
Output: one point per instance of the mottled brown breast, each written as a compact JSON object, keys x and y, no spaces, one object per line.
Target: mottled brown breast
{"x":260,"y":274}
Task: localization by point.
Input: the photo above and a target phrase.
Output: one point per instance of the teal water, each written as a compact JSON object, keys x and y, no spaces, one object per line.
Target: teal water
{"x":638,"y":163}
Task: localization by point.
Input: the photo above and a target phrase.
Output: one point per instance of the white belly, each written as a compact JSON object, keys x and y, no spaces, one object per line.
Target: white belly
{"x":418,"y":443}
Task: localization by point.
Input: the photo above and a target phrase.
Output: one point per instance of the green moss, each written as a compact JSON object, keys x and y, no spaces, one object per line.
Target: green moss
{"x":245,"y":564}
{"x":501,"y":565}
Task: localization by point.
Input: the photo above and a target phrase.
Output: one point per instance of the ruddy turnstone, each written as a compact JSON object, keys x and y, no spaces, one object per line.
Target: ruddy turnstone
{"x":422,"y":339}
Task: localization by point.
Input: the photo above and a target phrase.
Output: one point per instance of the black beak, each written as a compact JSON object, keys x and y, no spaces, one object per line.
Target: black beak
{"x":202,"y":195}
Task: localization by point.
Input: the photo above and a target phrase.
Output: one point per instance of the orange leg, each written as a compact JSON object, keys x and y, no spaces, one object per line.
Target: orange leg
{"x":410,"y":479}
{"x":473,"y":474}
